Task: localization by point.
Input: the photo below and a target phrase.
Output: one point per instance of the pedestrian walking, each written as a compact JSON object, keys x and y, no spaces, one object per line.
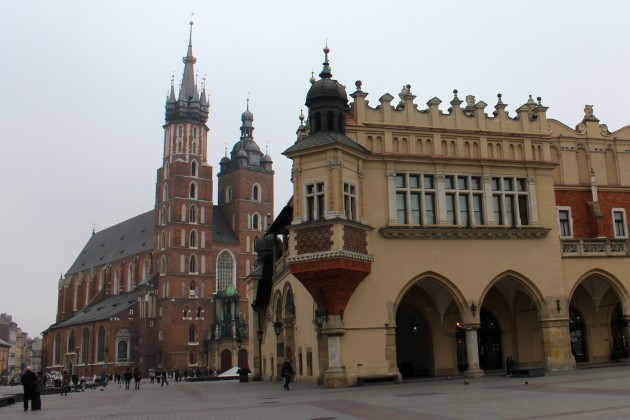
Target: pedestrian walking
{"x":127,"y":377}
{"x":29,"y":382}
{"x":164,"y":377}
{"x":287,"y":373}
{"x":137,"y":377}
{"x":65,"y":383}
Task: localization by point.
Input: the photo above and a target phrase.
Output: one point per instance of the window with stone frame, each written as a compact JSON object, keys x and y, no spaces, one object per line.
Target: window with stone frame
{"x":225,"y":271}
{"x":619,"y":223}
{"x":121,"y":350}
{"x":415,"y":199}
{"x":464,"y":200}
{"x":565,"y":223}
{"x":350,"y":201}
{"x":256,"y":192}
{"x":510,"y":201}
{"x":193,"y":214}
{"x":315,"y":201}
{"x":192,"y":337}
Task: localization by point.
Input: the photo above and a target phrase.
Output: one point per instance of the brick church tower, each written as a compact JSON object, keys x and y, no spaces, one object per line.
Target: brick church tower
{"x":165,"y":289}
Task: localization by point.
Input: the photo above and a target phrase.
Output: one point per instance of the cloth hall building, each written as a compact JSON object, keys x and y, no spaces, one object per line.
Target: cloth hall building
{"x":441,"y":240}
{"x":165,"y":288}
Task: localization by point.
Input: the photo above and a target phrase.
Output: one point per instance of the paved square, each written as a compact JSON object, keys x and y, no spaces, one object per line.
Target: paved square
{"x":582,"y":394}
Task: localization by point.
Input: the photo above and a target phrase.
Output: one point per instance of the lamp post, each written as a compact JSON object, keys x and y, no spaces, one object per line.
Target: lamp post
{"x":277,"y":327}
{"x":259,"y":335}
{"x":321,"y":316}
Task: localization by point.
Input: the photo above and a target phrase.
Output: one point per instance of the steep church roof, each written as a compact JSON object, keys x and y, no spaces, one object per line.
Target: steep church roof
{"x":130,"y":237}
{"x":104,"y":309}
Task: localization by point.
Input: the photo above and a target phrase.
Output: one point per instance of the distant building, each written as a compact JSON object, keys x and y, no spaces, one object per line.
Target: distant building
{"x":17,"y":340}
{"x":424,"y":241}
{"x":164,"y":288}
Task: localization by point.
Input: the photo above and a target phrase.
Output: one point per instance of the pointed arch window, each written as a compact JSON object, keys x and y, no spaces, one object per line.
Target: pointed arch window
{"x":165,"y":192}
{"x":256,"y":221}
{"x":130,"y":277}
{"x":163,"y":265}
{"x":116,"y":283}
{"x":145,"y":270}
{"x":85,"y":342}
{"x":193,"y":190}
{"x":228,"y":194}
{"x":70,"y":348}
{"x":100,"y":344}
{"x":57,"y":350}
{"x":193,"y":214}
{"x":193,"y":290}
{"x":186,"y":312}
{"x":225,"y":271}
{"x":256,"y":192}
{"x":193,"y":239}
{"x":192,"y":336}
{"x":193,"y":264}
{"x":180,"y":139}
{"x":183,"y":288}
{"x":193,"y":168}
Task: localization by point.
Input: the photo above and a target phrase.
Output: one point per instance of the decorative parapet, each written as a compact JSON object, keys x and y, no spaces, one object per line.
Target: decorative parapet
{"x":319,"y":256}
{"x":594,"y":248}
{"x":452,"y":232}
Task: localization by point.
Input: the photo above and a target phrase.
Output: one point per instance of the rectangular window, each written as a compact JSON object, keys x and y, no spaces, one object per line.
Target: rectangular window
{"x":350,"y":201}
{"x":429,"y":208}
{"x":564,"y":222}
{"x":464,"y":200}
{"x":450,"y":209}
{"x":315,"y":201}
{"x":401,"y":208}
{"x":415,"y":199}
{"x":619,"y":223}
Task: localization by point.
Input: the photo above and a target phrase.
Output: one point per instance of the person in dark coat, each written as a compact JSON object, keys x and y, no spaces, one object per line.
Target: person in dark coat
{"x":29,"y":382}
{"x":39,"y":387}
{"x":137,"y":377}
{"x":287,"y":373}
{"x":164,"y":377}
{"x":65,"y":383}
{"x":127,"y":377}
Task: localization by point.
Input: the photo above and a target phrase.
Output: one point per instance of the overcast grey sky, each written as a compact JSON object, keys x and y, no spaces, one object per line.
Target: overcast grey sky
{"x":84,"y":85}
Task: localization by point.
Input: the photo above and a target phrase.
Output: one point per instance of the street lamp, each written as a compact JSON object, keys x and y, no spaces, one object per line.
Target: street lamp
{"x":321,"y":316}
{"x":277,"y":327}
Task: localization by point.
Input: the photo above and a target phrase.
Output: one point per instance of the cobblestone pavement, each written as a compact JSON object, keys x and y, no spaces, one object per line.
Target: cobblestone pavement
{"x":582,"y":394}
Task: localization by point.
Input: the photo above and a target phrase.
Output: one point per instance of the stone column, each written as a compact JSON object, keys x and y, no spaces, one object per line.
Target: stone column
{"x":472,"y":351}
{"x":335,"y":375}
{"x":557,"y":345}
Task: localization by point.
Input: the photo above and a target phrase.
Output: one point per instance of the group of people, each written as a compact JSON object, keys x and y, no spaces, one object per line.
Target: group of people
{"x":33,"y":384}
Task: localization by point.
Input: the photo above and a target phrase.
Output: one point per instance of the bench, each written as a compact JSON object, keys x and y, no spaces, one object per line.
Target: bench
{"x":527,"y":372}
{"x":377,"y":379}
{"x":6,"y":400}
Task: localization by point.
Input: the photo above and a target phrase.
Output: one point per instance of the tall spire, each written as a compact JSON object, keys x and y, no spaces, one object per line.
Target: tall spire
{"x":189,"y":91}
{"x":189,"y":105}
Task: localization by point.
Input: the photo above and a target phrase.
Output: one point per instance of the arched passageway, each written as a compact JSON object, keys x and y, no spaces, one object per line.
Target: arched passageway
{"x":598,"y":330}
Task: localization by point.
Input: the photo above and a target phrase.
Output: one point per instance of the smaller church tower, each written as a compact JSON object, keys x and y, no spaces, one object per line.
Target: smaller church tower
{"x":245,"y":185}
